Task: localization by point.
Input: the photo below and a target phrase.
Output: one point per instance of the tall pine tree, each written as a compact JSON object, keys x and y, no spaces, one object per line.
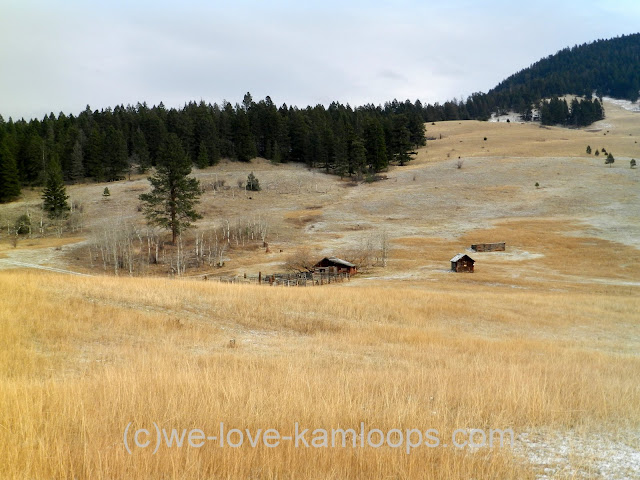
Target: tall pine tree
{"x":203,"y":156}
{"x":77,"y":163}
{"x":115,"y":154}
{"x":171,"y":204}
{"x":54,"y":194}
{"x":9,"y":176}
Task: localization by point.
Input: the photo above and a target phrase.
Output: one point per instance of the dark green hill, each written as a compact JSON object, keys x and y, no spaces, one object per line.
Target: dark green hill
{"x":606,"y":67}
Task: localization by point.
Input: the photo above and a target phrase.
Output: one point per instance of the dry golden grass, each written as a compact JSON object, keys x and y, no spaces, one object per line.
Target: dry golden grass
{"x":82,"y":357}
{"x":618,"y":133}
{"x":542,"y":338}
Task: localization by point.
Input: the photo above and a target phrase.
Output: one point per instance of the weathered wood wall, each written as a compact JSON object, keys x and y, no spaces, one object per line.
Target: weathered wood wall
{"x":488,"y":247}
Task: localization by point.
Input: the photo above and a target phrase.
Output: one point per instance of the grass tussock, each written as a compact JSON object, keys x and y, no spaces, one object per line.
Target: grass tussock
{"x":82,"y":357}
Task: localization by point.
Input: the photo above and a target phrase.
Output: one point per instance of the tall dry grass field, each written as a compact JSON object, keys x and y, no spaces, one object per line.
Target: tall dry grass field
{"x":81,"y":358}
{"x":542,"y":339}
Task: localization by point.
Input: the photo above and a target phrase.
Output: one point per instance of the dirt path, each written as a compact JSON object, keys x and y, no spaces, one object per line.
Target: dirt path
{"x":5,"y":264}
{"x":39,"y":258}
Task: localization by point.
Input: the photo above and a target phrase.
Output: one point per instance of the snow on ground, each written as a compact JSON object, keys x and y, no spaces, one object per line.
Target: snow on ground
{"x":573,"y":455}
{"x":511,"y":116}
{"x":626,"y":104}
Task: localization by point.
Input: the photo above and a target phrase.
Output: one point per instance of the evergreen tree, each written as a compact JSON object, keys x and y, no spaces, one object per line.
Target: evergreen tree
{"x":54,"y":194}
{"x":115,"y":154}
{"x":340,"y":154}
{"x":358,"y":158}
{"x":252,"y":183}
{"x":94,"y":159}
{"x":609,"y":161}
{"x":633,"y":163}
{"x":203,"y":156}
{"x":282,"y":145}
{"x":9,"y":175}
{"x":31,"y":158}
{"x":400,"y":140}
{"x":375,"y":145}
{"x":141,"y":151}
{"x":171,"y":204}
{"x":154,"y":129}
{"x":299,"y":135}
{"x":416,"y":130}
{"x":245,"y":146}
{"x":226,"y":131}
{"x":77,"y":163}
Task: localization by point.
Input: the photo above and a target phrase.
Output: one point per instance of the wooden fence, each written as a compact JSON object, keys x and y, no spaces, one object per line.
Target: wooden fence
{"x":284,"y":279}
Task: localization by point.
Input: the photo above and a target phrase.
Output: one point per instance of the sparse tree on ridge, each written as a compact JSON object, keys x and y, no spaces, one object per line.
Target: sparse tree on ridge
{"x":174,"y":195}
{"x":252,"y":183}
{"x":609,"y":161}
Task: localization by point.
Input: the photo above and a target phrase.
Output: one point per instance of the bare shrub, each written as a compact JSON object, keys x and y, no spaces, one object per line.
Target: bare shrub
{"x":301,"y":260}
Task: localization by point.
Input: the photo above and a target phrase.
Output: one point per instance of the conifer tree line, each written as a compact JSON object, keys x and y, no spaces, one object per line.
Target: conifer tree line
{"x":604,"y":68}
{"x":580,"y":114}
{"x":109,"y":144}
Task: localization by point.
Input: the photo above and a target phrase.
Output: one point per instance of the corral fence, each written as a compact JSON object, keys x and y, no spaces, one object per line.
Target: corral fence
{"x":306,"y":279}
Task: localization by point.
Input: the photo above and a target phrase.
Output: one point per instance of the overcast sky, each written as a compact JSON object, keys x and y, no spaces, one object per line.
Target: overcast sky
{"x":62,"y":55}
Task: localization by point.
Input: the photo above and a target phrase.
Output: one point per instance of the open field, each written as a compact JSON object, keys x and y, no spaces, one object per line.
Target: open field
{"x":543,"y":338}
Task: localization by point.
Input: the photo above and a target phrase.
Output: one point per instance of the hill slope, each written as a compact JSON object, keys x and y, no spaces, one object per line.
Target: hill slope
{"x":607,"y":67}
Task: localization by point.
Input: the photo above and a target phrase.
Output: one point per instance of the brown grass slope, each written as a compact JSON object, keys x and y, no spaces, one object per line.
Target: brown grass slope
{"x":543,"y":338}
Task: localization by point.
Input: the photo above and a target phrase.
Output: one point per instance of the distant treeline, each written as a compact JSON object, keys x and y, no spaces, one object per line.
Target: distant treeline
{"x":108,"y":144}
{"x":581,"y":113}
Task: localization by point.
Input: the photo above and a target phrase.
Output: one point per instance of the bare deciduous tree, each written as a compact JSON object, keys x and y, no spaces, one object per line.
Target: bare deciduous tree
{"x":301,"y":260}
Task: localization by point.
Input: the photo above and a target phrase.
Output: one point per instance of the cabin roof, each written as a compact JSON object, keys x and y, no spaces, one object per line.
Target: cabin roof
{"x":338,"y":261}
{"x":460,"y":256}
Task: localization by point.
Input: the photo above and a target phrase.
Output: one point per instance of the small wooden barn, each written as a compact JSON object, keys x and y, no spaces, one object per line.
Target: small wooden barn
{"x":462,"y":263}
{"x":488,"y":247}
{"x":333,"y":265}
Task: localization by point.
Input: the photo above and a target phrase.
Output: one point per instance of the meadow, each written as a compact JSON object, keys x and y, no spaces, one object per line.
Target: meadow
{"x":542,"y":339}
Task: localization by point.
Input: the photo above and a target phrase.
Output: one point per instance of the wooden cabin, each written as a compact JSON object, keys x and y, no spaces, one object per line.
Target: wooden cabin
{"x":462,"y":263}
{"x":333,"y":266}
{"x":488,"y":247}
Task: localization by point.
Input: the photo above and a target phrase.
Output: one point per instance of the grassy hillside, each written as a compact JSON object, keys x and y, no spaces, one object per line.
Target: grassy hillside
{"x":542,"y":339}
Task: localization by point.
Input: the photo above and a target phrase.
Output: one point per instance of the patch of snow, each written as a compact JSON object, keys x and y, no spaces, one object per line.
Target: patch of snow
{"x":576,"y":455}
{"x":509,"y":255}
{"x":511,"y":116}
{"x":626,"y":104}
